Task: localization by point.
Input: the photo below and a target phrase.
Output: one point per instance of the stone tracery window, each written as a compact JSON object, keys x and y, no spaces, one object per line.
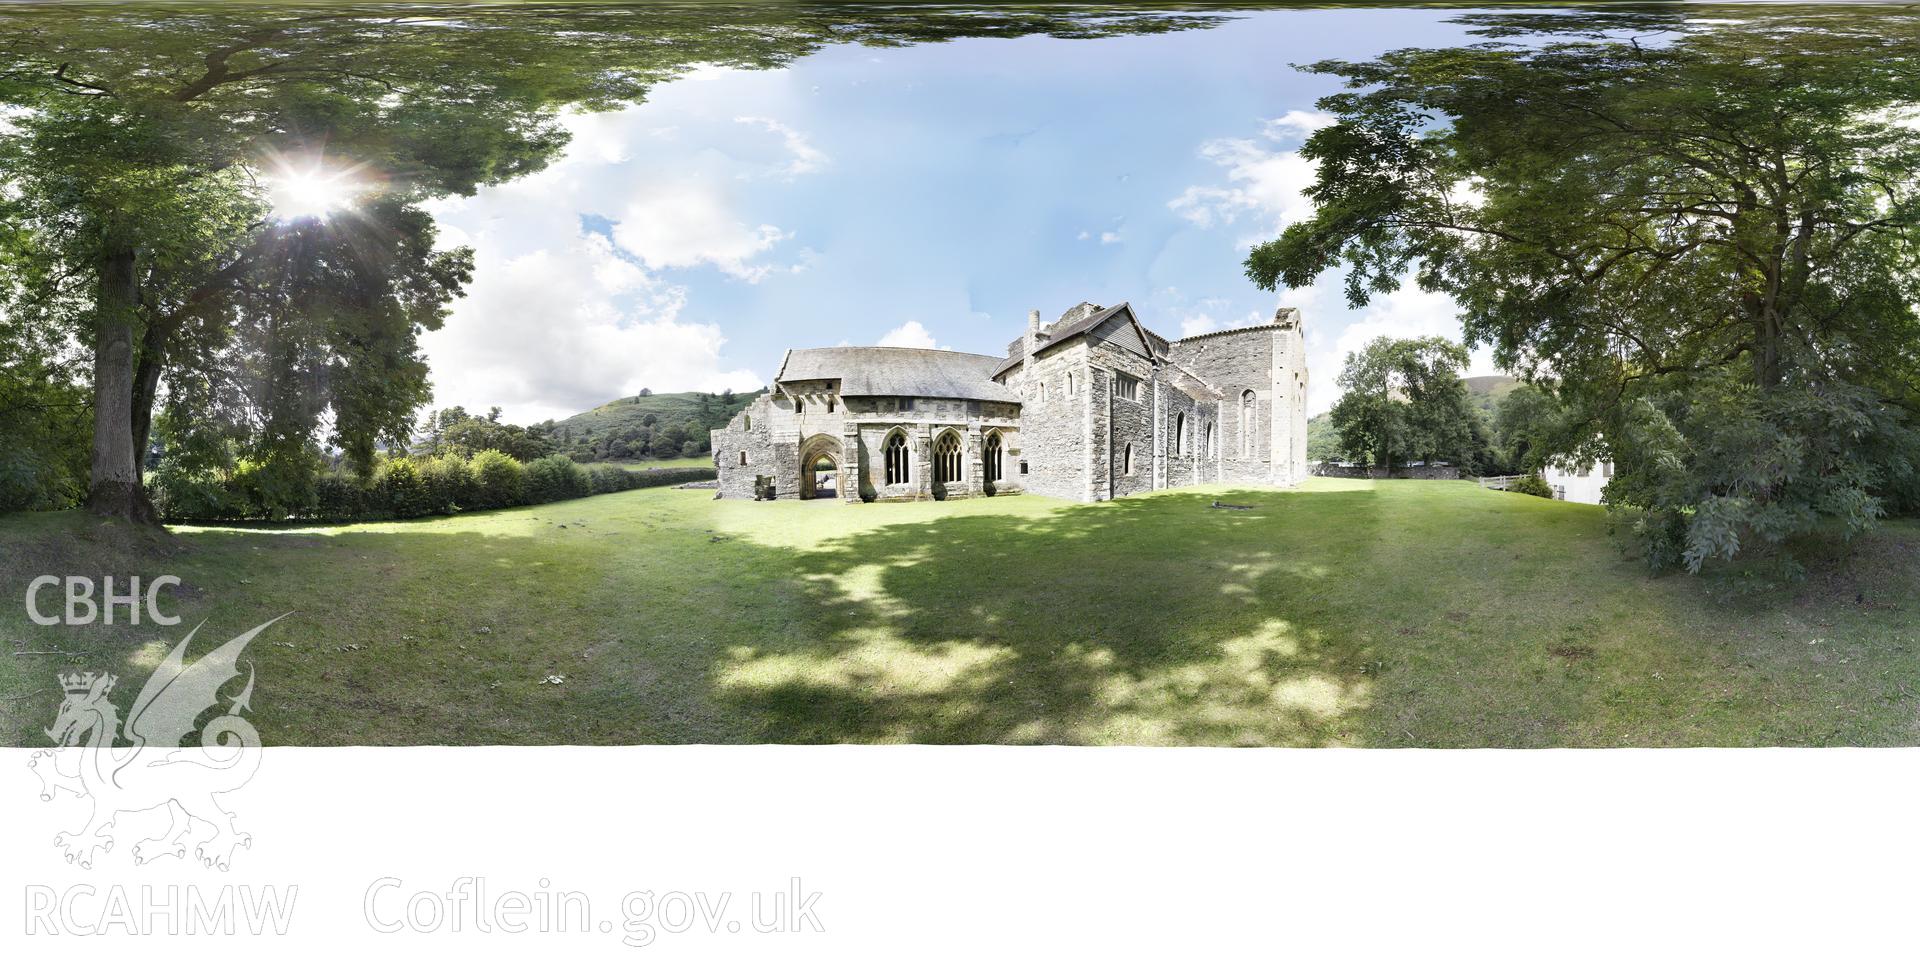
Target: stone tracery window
{"x":990,"y":465}
{"x":896,"y":457}
{"x":946,"y":458}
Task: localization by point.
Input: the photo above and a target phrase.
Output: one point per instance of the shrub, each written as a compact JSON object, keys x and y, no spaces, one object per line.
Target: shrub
{"x":191,"y":495}
{"x":341,"y":497}
{"x":499,"y":480}
{"x":403,"y":490}
{"x":31,"y":480}
{"x":555,"y":478}
{"x":669,"y":476}
{"x":449,"y":483}
{"x":401,"y":487}
{"x":607,"y":478}
{"x":1532,"y":485}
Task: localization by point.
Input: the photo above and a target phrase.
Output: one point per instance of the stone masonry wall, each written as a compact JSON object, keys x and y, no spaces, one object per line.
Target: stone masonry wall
{"x":1072,"y":440}
{"x":1191,"y":462}
{"x":1236,"y":362}
{"x":750,"y":432}
{"x":1126,"y":423}
{"x":1053,"y":425}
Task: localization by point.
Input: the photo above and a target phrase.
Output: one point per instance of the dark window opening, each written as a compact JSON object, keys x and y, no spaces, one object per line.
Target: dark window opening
{"x":896,"y":458}
{"x":946,"y":459}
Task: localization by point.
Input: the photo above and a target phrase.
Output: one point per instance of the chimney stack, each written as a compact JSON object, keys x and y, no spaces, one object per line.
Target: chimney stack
{"x":1033,"y":335}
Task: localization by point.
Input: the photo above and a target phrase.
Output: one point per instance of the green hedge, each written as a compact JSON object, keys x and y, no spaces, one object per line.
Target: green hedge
{"x":1532,"y":485}
{"x":401,"y":488}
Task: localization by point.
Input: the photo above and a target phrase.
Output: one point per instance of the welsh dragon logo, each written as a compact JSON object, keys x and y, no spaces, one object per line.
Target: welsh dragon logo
{"x":152,"y":769}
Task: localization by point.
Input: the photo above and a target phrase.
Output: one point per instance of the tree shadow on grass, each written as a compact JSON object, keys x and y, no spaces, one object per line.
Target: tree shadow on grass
{"x":1148,"y":620}
{"x":1330,"y":616}
{"x":1153,"y":620}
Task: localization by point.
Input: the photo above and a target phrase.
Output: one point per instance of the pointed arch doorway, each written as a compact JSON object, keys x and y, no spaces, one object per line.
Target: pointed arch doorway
{"x":820,"y":473}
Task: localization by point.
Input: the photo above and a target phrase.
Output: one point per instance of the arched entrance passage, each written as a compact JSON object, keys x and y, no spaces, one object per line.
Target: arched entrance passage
{"x":820,"y":473}
{"x":991,"y":460}
{"x":946,"y":463}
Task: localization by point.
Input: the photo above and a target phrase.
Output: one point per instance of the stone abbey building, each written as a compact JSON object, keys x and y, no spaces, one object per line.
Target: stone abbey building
{"x":1090,"y":407}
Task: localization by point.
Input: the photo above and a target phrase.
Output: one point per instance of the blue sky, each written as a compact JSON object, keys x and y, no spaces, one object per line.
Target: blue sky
{"x":924,"y":196}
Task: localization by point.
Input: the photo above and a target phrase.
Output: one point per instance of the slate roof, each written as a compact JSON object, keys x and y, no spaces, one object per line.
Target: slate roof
{"x":899,"y":372}
{"x":1064,"y":330}
{"x":1062,"y":334}
{"x":1014,"y":355}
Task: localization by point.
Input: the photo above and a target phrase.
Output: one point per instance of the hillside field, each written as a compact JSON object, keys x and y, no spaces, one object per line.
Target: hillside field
{"x":1358,"y":613}
{"x":634,"y":420}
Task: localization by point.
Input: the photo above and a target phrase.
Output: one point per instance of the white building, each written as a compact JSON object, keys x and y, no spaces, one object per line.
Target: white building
{"x":1578,"y":484}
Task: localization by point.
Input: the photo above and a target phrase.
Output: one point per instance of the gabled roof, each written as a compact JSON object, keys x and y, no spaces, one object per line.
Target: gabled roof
{"x":1082,"y":326}
{"x":1091,"y":317}
{"x":898,"y":372}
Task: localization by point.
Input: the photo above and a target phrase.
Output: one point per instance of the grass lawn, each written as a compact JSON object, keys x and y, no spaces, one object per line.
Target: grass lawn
{"x":704,"y":460}
{"x":1347,"y":613}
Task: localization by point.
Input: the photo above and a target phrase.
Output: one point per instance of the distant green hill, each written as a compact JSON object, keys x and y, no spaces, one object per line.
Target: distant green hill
{"x":1497,"y":385}
{"x":651,"y":426}
{"x":1488,"y":390}
{"x":1323,"y":441}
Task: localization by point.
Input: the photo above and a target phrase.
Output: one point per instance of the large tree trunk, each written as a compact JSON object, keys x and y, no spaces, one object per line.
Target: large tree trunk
{"x":146,"y":386}
{"x":115,"y":489}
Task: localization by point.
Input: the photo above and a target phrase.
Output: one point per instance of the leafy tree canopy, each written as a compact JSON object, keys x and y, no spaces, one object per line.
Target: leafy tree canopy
{"x":1700,"y":234}
{"x":1404,"y":401}
{"x":139,"y":143}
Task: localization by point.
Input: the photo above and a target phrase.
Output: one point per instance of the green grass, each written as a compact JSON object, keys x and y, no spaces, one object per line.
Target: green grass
{"x":1350,"y":613}
{"x":703,"y":460}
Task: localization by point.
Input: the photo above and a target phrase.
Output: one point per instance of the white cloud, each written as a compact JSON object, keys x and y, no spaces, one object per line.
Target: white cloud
{"x":561,"y":329}
{"x":1109,"y":237}
{"x":1263,"y":180}
{"x":911,"y":334}
{"x":805,"y":157}
{"x":561,"y":317}
{"x":1084,"y":235}
{"x":1297,"y":124}
{"x":1403,"y":314}
{"x":1198,"y":324}
{"x":691,"y":222}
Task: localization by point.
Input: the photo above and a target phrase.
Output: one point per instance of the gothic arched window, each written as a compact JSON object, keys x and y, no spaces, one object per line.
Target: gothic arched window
{"x":946,"y":458}
{"x":896,"y":457}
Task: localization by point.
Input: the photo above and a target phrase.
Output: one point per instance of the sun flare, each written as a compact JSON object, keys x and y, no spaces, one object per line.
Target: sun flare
{"x":311,"y":190}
